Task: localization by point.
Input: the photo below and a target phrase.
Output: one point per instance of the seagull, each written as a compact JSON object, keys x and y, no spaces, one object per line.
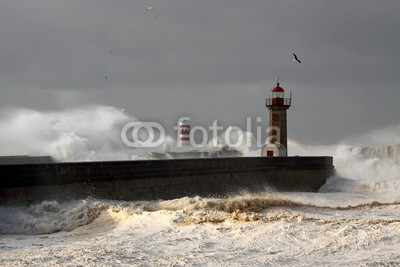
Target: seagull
{"x":149,"y":9}
{"x":295,"y":58}
{"x":158,"y":14}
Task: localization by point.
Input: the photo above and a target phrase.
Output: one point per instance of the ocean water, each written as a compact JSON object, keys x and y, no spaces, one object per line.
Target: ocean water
{"x":353,"y":221}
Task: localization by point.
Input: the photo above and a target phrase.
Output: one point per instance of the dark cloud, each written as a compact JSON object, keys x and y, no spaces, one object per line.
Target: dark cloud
{"x":211,"y":59}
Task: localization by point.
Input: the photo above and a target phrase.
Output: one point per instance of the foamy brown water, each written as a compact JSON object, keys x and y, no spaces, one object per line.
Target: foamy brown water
{"x":291,"y":229}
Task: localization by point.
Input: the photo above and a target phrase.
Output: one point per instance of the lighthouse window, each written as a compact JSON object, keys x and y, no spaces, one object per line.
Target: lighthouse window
{"x":278,"y":94}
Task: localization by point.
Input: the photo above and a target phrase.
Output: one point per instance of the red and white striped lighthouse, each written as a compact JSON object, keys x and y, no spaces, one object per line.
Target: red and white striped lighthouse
{"x":184,"y":133}
{"x":277,"y":131}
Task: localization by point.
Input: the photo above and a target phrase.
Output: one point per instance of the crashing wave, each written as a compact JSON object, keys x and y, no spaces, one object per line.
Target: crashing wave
{"x":389,"y":152}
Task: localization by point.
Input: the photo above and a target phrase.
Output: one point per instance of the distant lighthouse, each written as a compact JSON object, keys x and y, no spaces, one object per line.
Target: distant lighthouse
{"x":277,"y":131}
{"x":184,"y":133}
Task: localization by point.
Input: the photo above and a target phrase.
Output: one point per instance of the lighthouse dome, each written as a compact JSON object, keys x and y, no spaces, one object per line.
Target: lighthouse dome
{"x":277,"y":88}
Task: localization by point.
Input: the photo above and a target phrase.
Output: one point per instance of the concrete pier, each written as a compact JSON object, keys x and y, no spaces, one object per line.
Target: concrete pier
{"x":160,"y":179}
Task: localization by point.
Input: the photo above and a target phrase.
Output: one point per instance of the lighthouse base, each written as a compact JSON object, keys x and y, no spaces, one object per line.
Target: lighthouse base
{"x":273,"y":150}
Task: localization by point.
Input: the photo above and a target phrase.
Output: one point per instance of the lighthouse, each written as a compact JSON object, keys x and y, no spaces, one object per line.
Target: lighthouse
{"x":184,"y":133}
{"x":277,"y":131}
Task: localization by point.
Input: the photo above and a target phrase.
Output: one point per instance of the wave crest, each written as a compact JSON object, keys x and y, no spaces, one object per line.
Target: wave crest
{"x":48,"y":217}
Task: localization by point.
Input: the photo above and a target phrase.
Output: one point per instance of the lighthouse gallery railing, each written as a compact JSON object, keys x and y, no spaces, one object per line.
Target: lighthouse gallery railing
{"x":278,"y":101}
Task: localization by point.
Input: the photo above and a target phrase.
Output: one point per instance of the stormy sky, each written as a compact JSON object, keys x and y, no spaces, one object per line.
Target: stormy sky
{"x":208,"y":60}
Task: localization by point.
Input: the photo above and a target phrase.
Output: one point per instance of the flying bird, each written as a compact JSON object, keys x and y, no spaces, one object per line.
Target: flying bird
{"x":158,"y":14}
{"x":295,"y":58}
{"x":149,"y":9}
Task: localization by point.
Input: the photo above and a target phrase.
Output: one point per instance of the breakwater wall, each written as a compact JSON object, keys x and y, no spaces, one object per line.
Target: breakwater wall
{"x":160,"y":179}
